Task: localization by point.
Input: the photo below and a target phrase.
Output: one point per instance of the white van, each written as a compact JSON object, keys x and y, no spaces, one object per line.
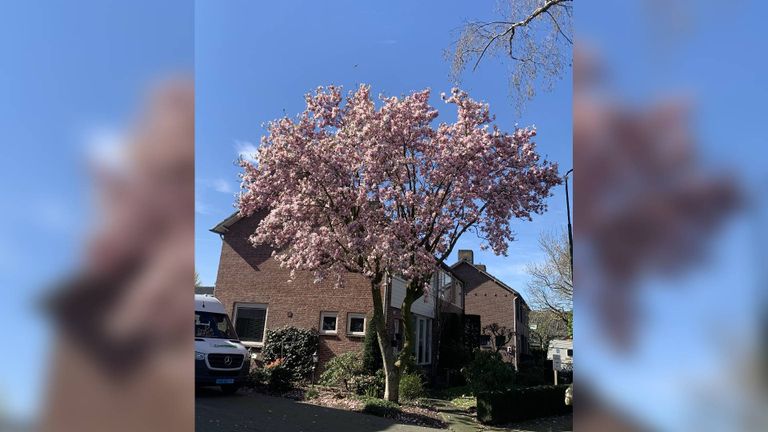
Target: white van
{"x":220,"y":358}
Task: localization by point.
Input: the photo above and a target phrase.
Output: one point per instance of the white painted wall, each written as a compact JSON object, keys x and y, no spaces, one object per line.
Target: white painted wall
{"x":420,"y":306}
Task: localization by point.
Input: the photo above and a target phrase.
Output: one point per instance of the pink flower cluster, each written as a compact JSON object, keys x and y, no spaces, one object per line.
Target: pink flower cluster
{"x":352,"y":187}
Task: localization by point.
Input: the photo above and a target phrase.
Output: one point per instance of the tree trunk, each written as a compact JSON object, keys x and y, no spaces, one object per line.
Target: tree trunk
{"x":413,"y":291}
{"x":391,"y":372}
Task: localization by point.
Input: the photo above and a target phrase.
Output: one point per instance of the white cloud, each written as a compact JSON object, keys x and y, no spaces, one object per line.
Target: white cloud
{"x":246,"y":150}
{"x":106,"y":146}
{"x":223,"y":186}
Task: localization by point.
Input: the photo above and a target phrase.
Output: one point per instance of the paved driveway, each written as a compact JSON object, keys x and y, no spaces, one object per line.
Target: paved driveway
{"x":215,"y":412}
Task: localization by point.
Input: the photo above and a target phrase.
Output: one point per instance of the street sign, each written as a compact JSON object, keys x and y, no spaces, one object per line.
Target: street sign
{"x":556,"y":365}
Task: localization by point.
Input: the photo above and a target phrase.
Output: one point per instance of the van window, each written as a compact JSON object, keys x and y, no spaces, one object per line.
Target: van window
{"x":213,"y":325}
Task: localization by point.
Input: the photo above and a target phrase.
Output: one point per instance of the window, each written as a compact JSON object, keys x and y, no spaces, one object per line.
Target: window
{"x":251,"y":321}
{"x":423,"y":348}
{"x":356,"y":324}
{"x":570,"y":353}
{"x":328,"y":322}
{"x":485,"y":340}
{"x":213,"y":325}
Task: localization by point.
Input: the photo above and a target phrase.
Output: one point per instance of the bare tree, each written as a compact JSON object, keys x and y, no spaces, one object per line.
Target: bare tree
{"x":551,"y":284}
{"x":546,"y":326}
{"x":535,"y":35}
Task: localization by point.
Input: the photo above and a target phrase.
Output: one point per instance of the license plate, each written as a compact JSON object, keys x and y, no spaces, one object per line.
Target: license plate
{"x":225,"y":381}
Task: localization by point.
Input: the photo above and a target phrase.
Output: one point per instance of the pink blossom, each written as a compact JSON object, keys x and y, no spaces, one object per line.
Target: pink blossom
{"x":352,"y":187}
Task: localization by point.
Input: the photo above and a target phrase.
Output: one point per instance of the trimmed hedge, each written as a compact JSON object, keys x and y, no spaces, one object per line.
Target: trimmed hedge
{"x":521,"y":404}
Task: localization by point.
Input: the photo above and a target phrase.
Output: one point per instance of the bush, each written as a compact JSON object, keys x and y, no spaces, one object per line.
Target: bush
{"x":521,"y":404}
{"x":280,"y":378}
{"x":371,"y":352}
{"x":371,"y":386}
{"x":488,"y":372}
{"x":534,"y":375}
{"x":295,"y":347}
{"x":411,"y":386}
{"x":311,"y":393}
{"x":381,"y":408}
{"x":258,"y":376}
{"x":340,"y":370}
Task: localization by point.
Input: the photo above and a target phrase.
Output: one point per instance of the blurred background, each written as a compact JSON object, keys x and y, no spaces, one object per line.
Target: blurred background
{"x":670,"y":215}
{"x":77,"y":81}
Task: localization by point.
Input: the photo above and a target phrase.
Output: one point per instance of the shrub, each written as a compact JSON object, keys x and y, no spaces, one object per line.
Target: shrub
{"x":533,"y":375}
{"x":488,"y":372}
{"x":411,"y":386}
{"x":381,"y":407}
{"x":258,"y":376}
{"x":340,"y":370}
{"x":371,"y":352}
{"x":280,"y":378}
{"x":371,"y":386}
{"x":521,"y":404}
{"x":294,"y":346}
{"x":311,"y":393}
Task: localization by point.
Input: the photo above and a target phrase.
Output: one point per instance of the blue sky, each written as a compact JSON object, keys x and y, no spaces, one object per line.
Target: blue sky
{"x":69,"y":76}
{"x":254,"y":61}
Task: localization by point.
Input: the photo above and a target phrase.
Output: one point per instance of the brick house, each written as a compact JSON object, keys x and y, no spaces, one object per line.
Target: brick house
{"x":495,"y":302}
{"x":255,"y":291}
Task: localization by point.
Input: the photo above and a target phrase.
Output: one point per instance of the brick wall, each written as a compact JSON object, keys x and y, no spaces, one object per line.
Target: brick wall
{"x":493,"y":302}
{"x":250,"y":275}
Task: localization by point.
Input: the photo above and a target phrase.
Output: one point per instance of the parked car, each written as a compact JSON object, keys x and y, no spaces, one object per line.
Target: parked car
{"x":220,"y":358}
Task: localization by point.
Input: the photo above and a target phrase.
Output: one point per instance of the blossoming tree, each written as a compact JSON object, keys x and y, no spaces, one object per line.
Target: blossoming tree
{"x":349,"y":187}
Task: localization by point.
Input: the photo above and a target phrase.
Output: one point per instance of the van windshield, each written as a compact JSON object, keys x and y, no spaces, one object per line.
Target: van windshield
{"x":213,"y":325}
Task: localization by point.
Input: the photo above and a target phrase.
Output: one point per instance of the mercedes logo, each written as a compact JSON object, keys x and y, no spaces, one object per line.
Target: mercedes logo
{"x":228,"y":360}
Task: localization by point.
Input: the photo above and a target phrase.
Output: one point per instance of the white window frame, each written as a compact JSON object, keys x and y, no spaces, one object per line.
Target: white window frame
{"x":427,"y":343}
{"x":349,"y":323}
{"x":323,"y":315}
{"x":264,"y":306}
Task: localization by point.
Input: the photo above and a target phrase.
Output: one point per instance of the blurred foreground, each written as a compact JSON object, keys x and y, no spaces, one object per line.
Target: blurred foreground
{"x":670,"y":220}
{"x":122,"y":318}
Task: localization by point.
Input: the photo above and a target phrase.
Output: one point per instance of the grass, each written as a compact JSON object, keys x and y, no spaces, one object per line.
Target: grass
{"x":465,"y":402}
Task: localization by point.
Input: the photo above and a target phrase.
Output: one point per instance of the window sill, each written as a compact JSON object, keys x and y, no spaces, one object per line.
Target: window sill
{"x":328,"y":333}
{"x":357,"y":335}
{"x":252,"y":344}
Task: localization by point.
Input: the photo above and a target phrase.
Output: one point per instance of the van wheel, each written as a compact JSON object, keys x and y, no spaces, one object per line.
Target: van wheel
{"x":229,"y":388}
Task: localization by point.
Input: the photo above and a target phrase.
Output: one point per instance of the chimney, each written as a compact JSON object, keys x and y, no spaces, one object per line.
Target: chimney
{"x":466,"y":255}
{"x":480,"y":266}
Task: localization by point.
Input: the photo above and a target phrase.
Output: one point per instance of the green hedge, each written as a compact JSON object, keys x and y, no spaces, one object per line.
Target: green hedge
{"x":521,"y":404}
{"x":294,"y":348}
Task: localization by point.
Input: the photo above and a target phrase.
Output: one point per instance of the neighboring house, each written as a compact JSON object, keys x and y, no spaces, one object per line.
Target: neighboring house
{"x":563,"y":348}
{"x":258,"y":295}
{"x":206,"y":290}
{"x":495,"y":302}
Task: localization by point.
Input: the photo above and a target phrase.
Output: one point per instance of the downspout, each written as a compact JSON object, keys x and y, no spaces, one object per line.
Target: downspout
{"x":514,"y":325}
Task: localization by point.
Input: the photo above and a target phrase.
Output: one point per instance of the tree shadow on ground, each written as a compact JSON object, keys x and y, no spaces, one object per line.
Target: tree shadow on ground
{"x":254,"y":412}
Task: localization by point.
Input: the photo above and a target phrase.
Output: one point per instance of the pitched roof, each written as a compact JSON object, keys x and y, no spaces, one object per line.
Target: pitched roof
{"x":493,"y":278}
{"x":223,"y":226}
